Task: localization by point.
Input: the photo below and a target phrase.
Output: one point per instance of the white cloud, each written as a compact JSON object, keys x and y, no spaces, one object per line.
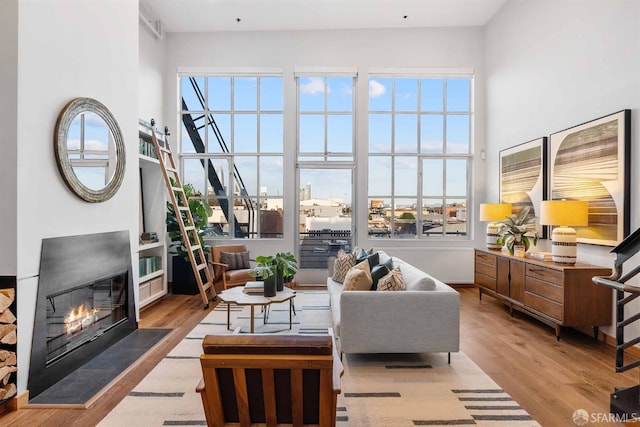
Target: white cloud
{"x":376,"y":89}
{"x":314,"y":87}
{"x":95,"y":144}
{"x":89,"y":144}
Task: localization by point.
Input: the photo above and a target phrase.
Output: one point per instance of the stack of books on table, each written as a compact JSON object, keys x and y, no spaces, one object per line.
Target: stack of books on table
{"x":542,"y":256}
{"x":254,"y":288}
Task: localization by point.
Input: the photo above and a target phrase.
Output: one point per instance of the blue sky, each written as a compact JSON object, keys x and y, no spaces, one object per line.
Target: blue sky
{"x":339,"y":104}
{"x":96,"y":138}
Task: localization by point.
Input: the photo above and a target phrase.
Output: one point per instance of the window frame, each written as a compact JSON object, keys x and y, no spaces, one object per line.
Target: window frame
{"x":419,"y":155}
{"x":231,"y":155}
{"x":327,"y":160}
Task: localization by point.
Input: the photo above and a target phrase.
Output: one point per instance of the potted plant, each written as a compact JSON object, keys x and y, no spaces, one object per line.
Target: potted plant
{"x":517,"y":230}
{"x":287,"y":268}
{"x":265,"y":270}
{"x":184,"y":281}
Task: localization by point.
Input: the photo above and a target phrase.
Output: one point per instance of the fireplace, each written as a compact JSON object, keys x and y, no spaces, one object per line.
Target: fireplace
{"x":85,"y":304}
{"x":81,"y":314}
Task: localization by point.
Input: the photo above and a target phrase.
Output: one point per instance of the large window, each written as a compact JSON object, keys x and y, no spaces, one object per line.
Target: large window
{"x":232,"y":151}
{"x":326,"y":146}
{"x":325,"y":119}
{"x":419,"y":156}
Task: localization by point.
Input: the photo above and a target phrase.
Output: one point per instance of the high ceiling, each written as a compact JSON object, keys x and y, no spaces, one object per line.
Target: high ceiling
{"x":269,"y":15}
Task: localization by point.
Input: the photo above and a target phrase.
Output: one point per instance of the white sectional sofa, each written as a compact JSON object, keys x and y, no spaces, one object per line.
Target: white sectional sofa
{"x":423,"y":318}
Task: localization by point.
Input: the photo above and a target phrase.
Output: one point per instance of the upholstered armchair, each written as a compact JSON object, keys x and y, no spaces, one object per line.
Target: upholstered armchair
{"x":270,"y":380}
{"x":230,"y":266}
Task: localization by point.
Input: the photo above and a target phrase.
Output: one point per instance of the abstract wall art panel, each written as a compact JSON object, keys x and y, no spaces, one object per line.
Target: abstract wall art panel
{"x":523,"y":179}
{"x":591,"y":162}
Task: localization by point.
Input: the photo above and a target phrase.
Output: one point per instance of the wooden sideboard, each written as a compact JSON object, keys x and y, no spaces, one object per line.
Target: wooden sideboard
{"x":558,"y":295}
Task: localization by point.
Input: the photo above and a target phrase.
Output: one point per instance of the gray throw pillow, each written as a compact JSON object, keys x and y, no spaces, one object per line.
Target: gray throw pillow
{"x":377,"y":273}
{"x":235,"y":260}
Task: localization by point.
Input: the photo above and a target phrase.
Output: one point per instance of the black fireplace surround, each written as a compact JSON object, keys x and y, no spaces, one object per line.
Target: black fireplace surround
{"x":85,"y":304}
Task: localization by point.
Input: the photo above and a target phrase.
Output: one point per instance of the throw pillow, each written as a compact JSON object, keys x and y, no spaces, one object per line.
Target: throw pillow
{"x":357,"y":280}
{"x":361,"y":253}
{"x":364,"y":266}
{"x":235,"y":260}
{"x":244,"y":260}
{"x":342,"y":264}
{"x":424,"y":283}
{"x":377,"y":273}
{"x":388,"y":263}
{"x":373,"y":258}
{"x":392,"y":281}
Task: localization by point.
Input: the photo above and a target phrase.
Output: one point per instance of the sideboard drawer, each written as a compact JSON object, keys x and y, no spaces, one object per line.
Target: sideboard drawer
{"x":487,"y":282}
{"x":543,"y":305}
{"x":487,"y":270}
{"x":545,"y":289}
{"x":546,"y":274}
{"x":485,"y":258}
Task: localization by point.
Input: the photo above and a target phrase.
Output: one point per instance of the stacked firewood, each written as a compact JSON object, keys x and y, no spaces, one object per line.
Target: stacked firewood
{"x":8,"y":337}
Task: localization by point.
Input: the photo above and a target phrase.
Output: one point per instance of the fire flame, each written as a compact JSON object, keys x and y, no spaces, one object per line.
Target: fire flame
{"x":80,"y":318}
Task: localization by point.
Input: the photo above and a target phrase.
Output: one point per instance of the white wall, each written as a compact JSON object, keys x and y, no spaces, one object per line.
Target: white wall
{"x":362,"y":50}
{"x":75,"y":48}
{"x":150,"y":81}
{"x":8,"y":136}
{"x":554,"y":64}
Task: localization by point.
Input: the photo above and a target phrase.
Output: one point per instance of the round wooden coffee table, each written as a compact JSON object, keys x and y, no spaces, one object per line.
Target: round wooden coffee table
{"x":237,"y":297}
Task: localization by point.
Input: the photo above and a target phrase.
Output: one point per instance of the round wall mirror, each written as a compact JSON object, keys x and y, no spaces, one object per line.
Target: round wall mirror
{"x":89,"y":149}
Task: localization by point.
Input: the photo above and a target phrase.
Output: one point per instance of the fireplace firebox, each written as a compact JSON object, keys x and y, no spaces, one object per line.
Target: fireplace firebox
{"x":81,"y":314}
{"x":85,"y":304}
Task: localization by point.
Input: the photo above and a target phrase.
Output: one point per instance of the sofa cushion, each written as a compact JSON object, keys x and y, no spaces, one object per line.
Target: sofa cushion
{"x":235,"y":260}
{"x":417,"y":280}
{"x":424,"y":283}
{"x":414,"y":279}
{"x":392,"y":281}
{"x":241,"y":275}
{"x":383,"y":258}
{"x":342,"y":264}
{"x":357,"y":280}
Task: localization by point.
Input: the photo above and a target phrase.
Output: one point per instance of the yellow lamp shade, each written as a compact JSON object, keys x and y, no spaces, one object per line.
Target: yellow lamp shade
{"x":494,"y":211}
{"x":564,"y":212}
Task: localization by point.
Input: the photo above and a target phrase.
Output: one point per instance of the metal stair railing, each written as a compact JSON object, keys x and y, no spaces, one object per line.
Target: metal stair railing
{"x":192,"y":130}
{"x":624,"y":401}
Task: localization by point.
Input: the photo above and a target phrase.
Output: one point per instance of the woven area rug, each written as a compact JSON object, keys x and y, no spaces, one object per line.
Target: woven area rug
{"x":377,"y":390}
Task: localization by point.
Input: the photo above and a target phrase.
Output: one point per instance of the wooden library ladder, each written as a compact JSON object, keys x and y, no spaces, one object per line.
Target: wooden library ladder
{"x":183,"y":214}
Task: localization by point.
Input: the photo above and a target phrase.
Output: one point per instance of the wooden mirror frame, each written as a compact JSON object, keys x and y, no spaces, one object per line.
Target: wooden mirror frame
{"x":66,"y":117}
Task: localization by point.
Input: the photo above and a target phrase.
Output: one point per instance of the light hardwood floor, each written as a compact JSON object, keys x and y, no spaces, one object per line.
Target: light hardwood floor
{"x":550,"y":379}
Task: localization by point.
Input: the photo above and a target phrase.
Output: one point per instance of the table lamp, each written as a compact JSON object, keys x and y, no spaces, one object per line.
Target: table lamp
{"x":564,"y":213}
{"x":494,"y":212}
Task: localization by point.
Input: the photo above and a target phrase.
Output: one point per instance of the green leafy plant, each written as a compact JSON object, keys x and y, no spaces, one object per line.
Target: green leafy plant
{"x":287,"y":263}
{"x":265,"y":267}
{"x":281,"y":264}
{"x":200,"y":212}
{"x":517,"y":230}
